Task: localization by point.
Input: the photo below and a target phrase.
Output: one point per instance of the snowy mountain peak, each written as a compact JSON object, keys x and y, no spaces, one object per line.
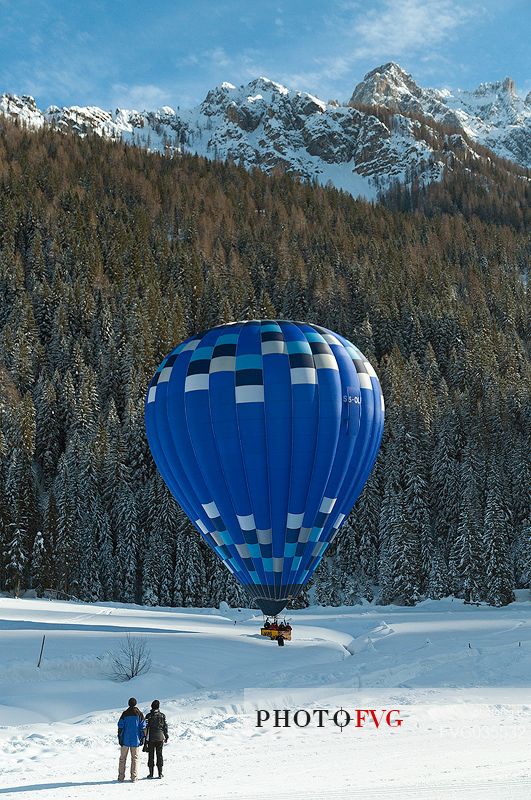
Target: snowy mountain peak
{"x":509,"y":86}
{"x":389,"y":86}
{"x":505,"y":87}
{"x":385,"y":85}
{"x":217,"y":98}
{"x":267,"y":85}
{"x":391,"y":69}
{"x":23,"y":108}
{"x":391,"y":73}
{"x":259,"y":89}
{"x":493,"y":114}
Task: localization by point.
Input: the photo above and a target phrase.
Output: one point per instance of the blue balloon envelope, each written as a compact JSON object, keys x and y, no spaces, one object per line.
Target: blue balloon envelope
{"x":265,"y":432}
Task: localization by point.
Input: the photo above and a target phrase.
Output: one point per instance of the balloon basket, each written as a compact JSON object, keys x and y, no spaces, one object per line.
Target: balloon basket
{"x":272,"y":630}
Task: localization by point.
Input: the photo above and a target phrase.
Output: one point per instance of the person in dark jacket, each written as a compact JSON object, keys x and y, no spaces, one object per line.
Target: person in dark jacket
{"x":157,"y":737}
{"x":131,"y":727}
{"x":280,"y":640}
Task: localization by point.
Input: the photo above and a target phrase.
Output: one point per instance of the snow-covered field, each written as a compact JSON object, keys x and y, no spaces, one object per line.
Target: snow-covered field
{"x":57,"y":723}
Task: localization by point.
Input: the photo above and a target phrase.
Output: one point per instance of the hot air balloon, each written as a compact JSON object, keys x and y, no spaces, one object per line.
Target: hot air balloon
{"x":265,"y":432}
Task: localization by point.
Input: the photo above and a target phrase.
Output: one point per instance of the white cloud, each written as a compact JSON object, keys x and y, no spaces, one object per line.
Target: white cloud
{"x":218,"y":56}
{"x":64,"y":82}
{"x":388,"y":30}
{"x":358,"y":33}
{"x":215,"y":56}
{"x":189,"y":60}
{"x":403,"y":26}
{"x":139,"y":96}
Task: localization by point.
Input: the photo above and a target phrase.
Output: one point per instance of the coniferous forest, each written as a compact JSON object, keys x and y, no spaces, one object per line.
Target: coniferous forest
{"x":110,"y":255}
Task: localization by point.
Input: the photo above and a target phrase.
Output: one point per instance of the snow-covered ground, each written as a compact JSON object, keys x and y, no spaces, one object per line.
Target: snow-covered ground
{"x":57,"y":723}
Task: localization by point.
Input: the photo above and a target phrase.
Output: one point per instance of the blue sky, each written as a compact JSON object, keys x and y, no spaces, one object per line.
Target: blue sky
{"x":130,"y":53}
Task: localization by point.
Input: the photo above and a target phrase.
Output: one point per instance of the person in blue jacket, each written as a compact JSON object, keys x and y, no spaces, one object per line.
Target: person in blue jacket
{"x":131,"y":728}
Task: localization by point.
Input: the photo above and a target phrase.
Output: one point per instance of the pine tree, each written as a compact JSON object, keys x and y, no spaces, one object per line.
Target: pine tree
{"x":367,"y":515}
{"x":525,"y":554}
{"x":416,"y":495}
{"x":104,"y":545}
{"x":47,"y":446}
{"x":444,"y":481}
{"x":87,"y":488}
{"x":126,"y":545}
{"x":49,"y":531}
{"x":15,"y":560}
{"x":194,"y":577}
{"x":151,"y":569}
{"x":467,"y":574}
{"x":17,"y":536}
{"x":499,"y":574}
{"x":400,"y":558}
{"x":69,"y":515}
{"x":38,"y":564}
{"x":438,"y":583}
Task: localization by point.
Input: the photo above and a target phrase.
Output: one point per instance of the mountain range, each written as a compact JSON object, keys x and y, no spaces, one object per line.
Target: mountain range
{"x":390,"y":130}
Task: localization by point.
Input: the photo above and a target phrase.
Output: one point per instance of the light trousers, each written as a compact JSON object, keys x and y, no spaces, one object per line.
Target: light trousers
{"x":134,"y":762}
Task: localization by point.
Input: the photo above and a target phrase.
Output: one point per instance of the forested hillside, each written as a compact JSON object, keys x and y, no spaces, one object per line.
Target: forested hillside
{"x":110,"y":255}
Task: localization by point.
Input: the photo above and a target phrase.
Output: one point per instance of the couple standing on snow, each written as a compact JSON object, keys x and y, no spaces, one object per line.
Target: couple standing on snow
{"x":134,"y":730}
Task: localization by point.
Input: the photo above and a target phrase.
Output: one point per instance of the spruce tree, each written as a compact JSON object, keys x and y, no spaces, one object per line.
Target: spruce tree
{"x":499,"y":574}
{"x":467,"y":562}
{"x":38,"y":564}
{"x":15,"y":556}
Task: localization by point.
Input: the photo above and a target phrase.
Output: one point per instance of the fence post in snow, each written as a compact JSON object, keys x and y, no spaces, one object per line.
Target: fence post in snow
{"x":42,"y":650}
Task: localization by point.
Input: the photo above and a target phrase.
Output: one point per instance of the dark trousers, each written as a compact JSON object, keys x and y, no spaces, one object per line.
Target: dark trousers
{"x":155,"y":747}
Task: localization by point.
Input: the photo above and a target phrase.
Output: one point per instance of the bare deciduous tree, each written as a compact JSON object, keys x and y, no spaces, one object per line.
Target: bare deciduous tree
{"x":132,"y":658}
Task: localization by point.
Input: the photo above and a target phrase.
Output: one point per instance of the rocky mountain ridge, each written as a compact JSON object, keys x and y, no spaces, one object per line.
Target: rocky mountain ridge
{"x":263,"y":124}
{"x":493,"y":115}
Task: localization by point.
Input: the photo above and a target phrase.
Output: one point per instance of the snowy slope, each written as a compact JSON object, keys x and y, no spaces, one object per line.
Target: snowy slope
{"x":57,"y":724}
{"x":264,"y":124}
